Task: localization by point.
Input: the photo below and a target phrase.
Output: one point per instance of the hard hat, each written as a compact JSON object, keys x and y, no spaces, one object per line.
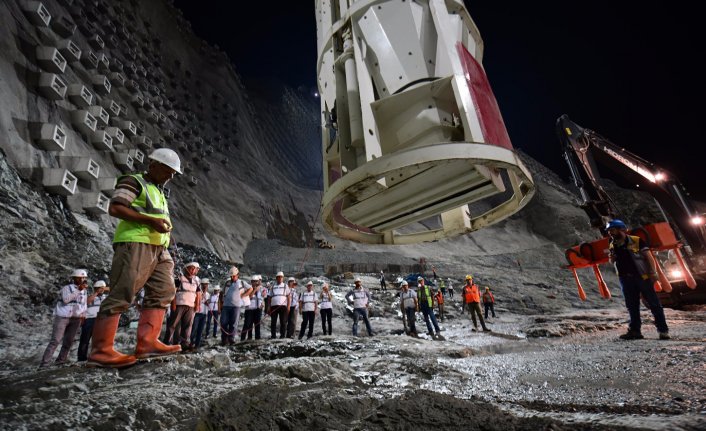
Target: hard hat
{"x":357,"y":280}
{"x":99,"y":283}
{"x":469,"y":277}
{"x":194,"y":264}
{"x":404,"y":283}
{"x":234,"y":271}
{"x":167,"y":157}
{"x":487,"y":288}
{"x":420,"y":278}
{"x":217,"y":287}
{"x":615,"y":223}
{"x":280,"y":274}
{"x":253,"y":277}
{"x":205,"y":281}
{"x":257,"y":277}
{"x":291,"y":279}
{"x":310,"y":283}
{"x":79,"y":273}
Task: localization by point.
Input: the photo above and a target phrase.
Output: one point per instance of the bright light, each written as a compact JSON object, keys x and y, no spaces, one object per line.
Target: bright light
{"x":676,"y":273}
{"x":316,"y":94}
{"x":660,"y":176}
{"x":697,"y":220}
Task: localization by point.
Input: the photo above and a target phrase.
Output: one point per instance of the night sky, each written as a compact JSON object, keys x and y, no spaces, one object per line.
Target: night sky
{"x":635,"y":75}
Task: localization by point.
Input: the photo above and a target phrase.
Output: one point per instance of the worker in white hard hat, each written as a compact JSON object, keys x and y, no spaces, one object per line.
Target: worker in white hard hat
{"x":100,"y":292}
{"x":69,"y":311}
{"x":293,"y":312}
{"x":359,"y":298}
{"x":183,"y":307}
{"x":235,"y":290}
{"x":253,"y":311}
{"x":201,"y":311}
{"x":326,"y":307}
{"x":278,"y":305}
{"x":140,"y":260}
{"x":307,"y":305}
{"x":214,"y":310}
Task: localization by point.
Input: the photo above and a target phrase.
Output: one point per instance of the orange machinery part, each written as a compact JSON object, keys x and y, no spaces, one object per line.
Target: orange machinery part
{"x":602,"y":287}
{"x":688,"y":276}
{"x":582,"y":294}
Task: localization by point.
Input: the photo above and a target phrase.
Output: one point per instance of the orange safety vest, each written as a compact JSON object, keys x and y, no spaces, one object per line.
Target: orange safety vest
{"x":439,"y":297}
{"x":470,"y":293}
{"x":488,"y":297}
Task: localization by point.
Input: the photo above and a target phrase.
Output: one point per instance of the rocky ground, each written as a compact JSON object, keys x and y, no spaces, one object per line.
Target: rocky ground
{"x":561,"y":371}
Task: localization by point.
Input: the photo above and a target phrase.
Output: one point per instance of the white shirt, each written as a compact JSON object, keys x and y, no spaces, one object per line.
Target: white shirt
{"x":360,"y":297}
{"x":186,"y":293}
{"x":408,"y":298}
{"x":94,"y":307}
{"x":294,"y":302}
{"x":203,"y":308}
{"x":308,"y":301}
{"x":213,"y":301}
{"x":245,"y":300}
{"x":279,"y":294}
{"x":72,"y":302}
{"x":325,"y":301}
{"x":256,"y":300}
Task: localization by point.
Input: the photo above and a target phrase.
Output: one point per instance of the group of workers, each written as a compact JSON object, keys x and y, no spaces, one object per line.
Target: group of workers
{"x":141,"y":260}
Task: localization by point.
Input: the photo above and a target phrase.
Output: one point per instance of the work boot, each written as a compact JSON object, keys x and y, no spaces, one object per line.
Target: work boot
{"x":664,"y":336}
{"x":148,"y":329}
{"x":486,"y":329}
{"x":631,"y":335}
{"x":103,"y":353}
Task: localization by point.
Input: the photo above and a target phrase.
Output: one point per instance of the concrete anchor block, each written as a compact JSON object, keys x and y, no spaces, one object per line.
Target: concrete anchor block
{"x":193,"y":181}
{"x":96,"y":42}
{"x":153,"y":117}
{"x":49,"y":136}
{"x":143,"y":142}
{"x":140,"y":126}
{"x":132,"y":85}
{"x":137,"y":155}
{"x":101,"y":84}
{"x":206,"y":166}
{"x":112,"y":41}
{"x":128,"y":127}
{"x":83,"y":121}
{"x":63,"y":26}
{"x":123,"y":109}
{"x":112,"y":106}
{"x":52,"y":86}
{"x":123,"y":161}
{"x":50,"y":59}
{"x":198,"y":141}
{"x":101,"y":140}
{"x":100,"y":113}
{"x":79,"y":95}
{"x":172,"y":114}
{"x":89,"y":60}
{"x":117,"y":79}
{"x":59,"y":181}
{"x":69,"y":50}
{"x":168,"y":135}
{"x":106,"y":185}
{"x":137,"y":100}
{"x":162,"y":118}
{"x":103,"y":62}
{"x":160,"y":142}
{"x":117,"y":135}
{"x":77,"y":12}
{"x":84,"y":168}
{"x":95,"y":203}
{"x":116,"y":65}
{"x":36,"y":12}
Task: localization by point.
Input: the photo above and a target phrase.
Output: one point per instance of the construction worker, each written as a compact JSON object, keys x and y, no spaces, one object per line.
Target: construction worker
{"x":235,"y":290}
{"x":184,"y":306}
{"x":293,"y":307}
{"x":471,"y":297}
{"x":360,"y":299}
{"x":488,"y":302}
{"x":69,"y":311}
{"x":439,"y":298}
{"x":637,"y":274}
{"x":408,"y":307}
{"x":214,"y":310}
{"x":425,"y":304}
{"x":442,"y":286}
{"x":450,"y":286}
{"x":253,"y":310}
{"x":200,"y":315}
{"x":140,"y":259}
{"x":278,"y":306}
{"x":307,"y":306}
{"x":383,"y":283}
{"x":100,"y":292}
{"x":326,"y":307}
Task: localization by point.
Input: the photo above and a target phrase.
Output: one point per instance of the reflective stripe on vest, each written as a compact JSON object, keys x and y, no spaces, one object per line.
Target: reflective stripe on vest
{"x":423,"y":295}
{"x":632,"y":244}
{"x":150,"y":202}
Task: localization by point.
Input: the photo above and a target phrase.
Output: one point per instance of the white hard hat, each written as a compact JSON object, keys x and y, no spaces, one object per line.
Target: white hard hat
{"x":280,"y":274}
{"x":357,"y":279}
{"x":291,"y":279}
{"x":167,"y":157}
{"x":234,"y":271}
{"x":404,"y":283}
{"x":217,"y":287}
{"x":194,"y":264}
{"x":205,"y":281}
{"x":257,"y":277}
{"x":420,"y":278}
{"x":311,"y":283}
{"x":79,"y":273}
{"x":99,"y":283}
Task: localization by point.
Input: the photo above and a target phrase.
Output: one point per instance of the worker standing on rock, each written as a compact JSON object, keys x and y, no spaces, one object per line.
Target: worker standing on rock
{"x":425,"y":304}
{"x":200,"y":316}
{"x":488,"y":302}
{"x":637,"y":275}
{"x":293,"y":307}
{"x":253,"y":310}
{"x":69,"y":312}
{"x":308,"y":305}
{"x":408,"y":307}
{"x":326,"y":307}
{"x":278,"y":306}
{"x":471,"y":296}
{"x":235,"y":290}
{"x":383,"y":283}
{"x":141,"y":259}
{"x":451,"y":288}
{"x":214,"y":310}
{"x":184,"y":306}
{"x":360,"y":299}
{"x":100,"y":292}
{"x":439,"y":298}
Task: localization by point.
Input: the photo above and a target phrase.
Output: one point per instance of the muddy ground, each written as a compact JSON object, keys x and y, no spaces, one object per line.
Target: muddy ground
{"x":532,"y":372}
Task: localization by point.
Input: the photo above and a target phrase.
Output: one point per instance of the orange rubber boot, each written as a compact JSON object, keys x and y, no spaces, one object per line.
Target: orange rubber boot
{"x":103,"y":353}
{"x":148,"y":329}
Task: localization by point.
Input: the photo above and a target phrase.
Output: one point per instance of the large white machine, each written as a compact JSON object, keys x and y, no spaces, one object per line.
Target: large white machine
{"x":412,"y":133}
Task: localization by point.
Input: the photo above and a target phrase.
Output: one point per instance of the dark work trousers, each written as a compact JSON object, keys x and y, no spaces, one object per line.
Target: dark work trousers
{"x":215,"y":315}
{"x":489,"y":306}
{"x":361,"y":313}
{"x":292,"y":322}
{"x":411,"y":313}
{"x":632,"y":288}
{"x":252,"y":320}
{"x":229,"y":324}
{"x":197,"y":330}
{"x":428,"y":313}
{"x":86,"y":332}
{"x":307,"y":320}
{"x":326,"y":314}
{"x":278,"y":311}
{"x":475,"y":309}
{"x":64,"y":331}
{"x":179,"y":331}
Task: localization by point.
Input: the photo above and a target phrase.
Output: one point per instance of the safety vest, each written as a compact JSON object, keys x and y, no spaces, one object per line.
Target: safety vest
{"x":150,"y":202}
{"x":360,"y":298}
{"x":408,"y":298}
{"x":439,"y":297}
{"x":325,"y":301}
{"x":632,"y":244}
{"x":279,"y":295}
{"x":308,"y":301}
{"x":470,"y":293}
{"x":424,"y":295}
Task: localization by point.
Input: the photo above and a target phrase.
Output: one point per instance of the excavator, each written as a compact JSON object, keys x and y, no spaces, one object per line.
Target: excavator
{"x":677,"y":242}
